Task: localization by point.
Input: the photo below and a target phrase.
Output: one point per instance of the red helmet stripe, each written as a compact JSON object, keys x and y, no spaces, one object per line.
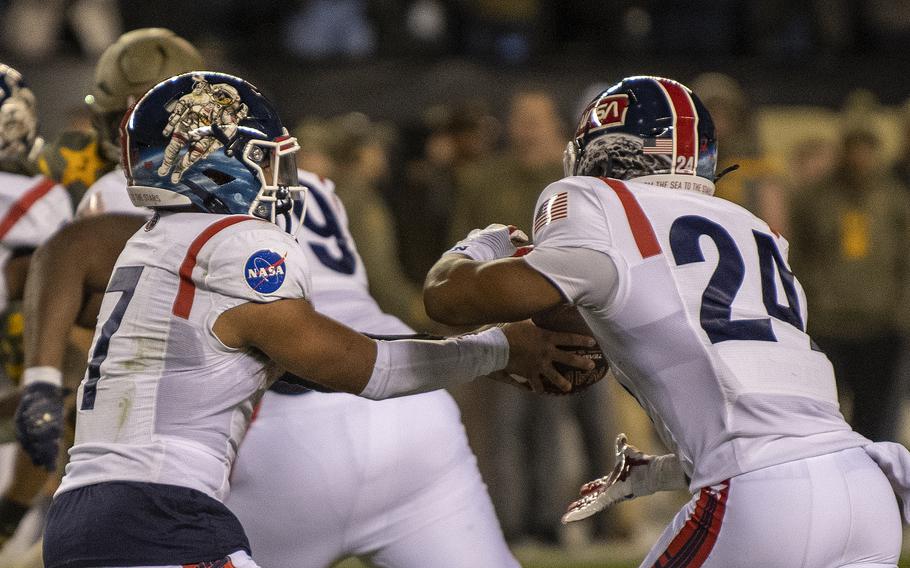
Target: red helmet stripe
{"x":685,"y":127}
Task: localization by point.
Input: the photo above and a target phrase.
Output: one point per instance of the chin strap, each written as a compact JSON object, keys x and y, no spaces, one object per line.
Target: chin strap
{"x":726,"y":171}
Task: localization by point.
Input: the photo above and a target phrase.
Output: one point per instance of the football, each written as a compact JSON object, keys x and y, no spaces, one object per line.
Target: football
{"x":566,"y":318}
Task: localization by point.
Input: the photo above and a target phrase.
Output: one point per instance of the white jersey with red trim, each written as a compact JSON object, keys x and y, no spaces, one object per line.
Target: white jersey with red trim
{"x":31,"y":210}
{"x":704,"y":324}
{"x":340,"y":286}
{"x":163,"y":400}
{"x":108,"y":195}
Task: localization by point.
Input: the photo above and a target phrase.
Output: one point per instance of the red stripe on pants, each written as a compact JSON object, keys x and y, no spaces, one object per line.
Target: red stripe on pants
{"x":694,"y":542}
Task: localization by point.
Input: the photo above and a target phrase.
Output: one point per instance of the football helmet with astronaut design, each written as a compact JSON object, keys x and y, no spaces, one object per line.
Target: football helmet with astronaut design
{"x":645,"y":126}
{"x":210,"y":142}
{"x":19,"y":141}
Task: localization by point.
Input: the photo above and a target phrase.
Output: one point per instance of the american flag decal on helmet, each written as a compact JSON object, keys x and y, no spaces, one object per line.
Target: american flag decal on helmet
{"x":657,"y":146}
{"x":553,"y":209}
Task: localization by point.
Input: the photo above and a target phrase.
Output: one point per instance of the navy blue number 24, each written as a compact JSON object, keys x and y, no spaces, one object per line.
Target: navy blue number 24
{"x":728,"y":277}
{"x":124,"y":280}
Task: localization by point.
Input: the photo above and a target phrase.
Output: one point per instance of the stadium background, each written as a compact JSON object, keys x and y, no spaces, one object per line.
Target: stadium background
{"x":810,"y":69}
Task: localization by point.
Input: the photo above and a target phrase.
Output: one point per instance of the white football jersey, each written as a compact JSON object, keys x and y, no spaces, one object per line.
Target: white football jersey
{"x":31,"y":210}
{"x":705,"y":327}
{"x":108,"y":195}
{"x":340,"y":286}
{"x":163,"y":400}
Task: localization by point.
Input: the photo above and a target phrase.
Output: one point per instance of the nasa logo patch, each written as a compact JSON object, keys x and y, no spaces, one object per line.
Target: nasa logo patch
{"x":265,"y":271}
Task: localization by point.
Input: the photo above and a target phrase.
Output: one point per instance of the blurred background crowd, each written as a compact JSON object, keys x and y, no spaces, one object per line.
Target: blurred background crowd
{"x":435,"y":117}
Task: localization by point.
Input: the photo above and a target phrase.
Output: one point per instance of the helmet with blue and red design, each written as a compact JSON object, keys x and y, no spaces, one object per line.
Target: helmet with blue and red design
{"x":209,"y":142}
{"x":644,"y":127}
{"x":19,"y":142}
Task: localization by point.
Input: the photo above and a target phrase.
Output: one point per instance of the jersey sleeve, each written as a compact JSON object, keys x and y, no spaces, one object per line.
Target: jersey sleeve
{"x":584,"y":277}
{"x":260,"y":264}
{"x":570,"y":214}
{"x":572,"y":244}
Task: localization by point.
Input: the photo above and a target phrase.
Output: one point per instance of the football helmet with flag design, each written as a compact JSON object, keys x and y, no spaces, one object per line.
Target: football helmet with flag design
{"x":644,"y":126}
{"x":209,"y":142}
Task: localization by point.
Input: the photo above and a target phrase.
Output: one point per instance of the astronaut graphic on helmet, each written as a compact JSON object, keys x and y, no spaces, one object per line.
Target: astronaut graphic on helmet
{"x":205,"y":105}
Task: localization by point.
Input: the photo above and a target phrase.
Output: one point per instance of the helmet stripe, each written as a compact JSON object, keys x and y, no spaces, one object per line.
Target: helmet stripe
{"x":685,"y":127}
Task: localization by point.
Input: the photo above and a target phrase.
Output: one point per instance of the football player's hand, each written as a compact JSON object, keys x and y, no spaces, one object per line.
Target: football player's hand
{"x":533,"y":350}
{"x":39,"y":423}
{"x":495,"y":241}
{"x":635,"y":474}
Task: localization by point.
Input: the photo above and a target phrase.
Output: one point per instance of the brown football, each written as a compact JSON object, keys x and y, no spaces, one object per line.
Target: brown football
{"x":566,"y":318}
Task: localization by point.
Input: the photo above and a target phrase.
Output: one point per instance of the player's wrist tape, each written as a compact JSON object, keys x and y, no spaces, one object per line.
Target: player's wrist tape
{"x":50,"y":375}
{"x":485,"y":244}
{"x":411,"y":366}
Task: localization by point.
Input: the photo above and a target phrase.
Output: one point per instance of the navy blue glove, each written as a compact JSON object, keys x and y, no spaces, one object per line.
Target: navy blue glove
{"x":39,"y":423}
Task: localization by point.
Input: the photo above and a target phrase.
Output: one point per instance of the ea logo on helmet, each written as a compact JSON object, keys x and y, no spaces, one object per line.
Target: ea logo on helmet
{"x":265,"y":271}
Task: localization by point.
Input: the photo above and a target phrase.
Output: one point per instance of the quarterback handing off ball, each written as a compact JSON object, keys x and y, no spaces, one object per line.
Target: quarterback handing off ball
{"x":566,"y":318}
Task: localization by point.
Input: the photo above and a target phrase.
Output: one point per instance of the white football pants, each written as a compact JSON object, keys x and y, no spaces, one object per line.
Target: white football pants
{"x":323,"y":476}
{"x":831,"y":511}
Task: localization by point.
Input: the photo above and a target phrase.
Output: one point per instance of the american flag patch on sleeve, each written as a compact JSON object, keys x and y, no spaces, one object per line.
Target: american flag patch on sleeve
{"x":553,"y":209}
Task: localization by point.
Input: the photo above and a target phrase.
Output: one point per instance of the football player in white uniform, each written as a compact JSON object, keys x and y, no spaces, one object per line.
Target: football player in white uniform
{"x":320,"y":476}
{"x":32,"y":208}
{"x":282,"y":504}
{"x":204,"y":306}
{"x":693,"y":302}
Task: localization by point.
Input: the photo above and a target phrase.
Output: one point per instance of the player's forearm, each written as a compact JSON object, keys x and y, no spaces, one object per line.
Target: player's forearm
{"x":412,"y":366}
{"x":53,"y":297}
{"x":460,"y":291}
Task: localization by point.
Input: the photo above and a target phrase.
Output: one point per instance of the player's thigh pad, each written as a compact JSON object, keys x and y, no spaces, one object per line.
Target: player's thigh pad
{"x":831,"y":510}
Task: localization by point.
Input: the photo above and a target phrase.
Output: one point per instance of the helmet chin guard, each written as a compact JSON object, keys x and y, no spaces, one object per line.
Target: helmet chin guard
{"x":275,"y":165}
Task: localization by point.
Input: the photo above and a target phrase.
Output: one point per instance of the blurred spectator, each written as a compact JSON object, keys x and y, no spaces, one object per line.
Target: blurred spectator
{"x":331,"y":28}
{"x":353,"y":152}
{"x":504,"y":187}
{"x":902,"y":164}
{"x":756,"y":185}
{"x":504,"y":29}
{"x":811,"y":161}
{"x":33,"y":28}
{"x":849,"y":248}
{"x":456,"y":137}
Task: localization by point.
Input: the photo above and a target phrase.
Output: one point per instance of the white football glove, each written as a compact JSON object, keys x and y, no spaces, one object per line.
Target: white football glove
{"x":495,"y":241}
{"x":635,"y":474}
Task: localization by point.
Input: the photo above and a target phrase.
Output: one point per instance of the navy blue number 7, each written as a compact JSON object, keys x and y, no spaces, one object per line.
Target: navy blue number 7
{"x":728,"y":277}
{"x":124,"y":280}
